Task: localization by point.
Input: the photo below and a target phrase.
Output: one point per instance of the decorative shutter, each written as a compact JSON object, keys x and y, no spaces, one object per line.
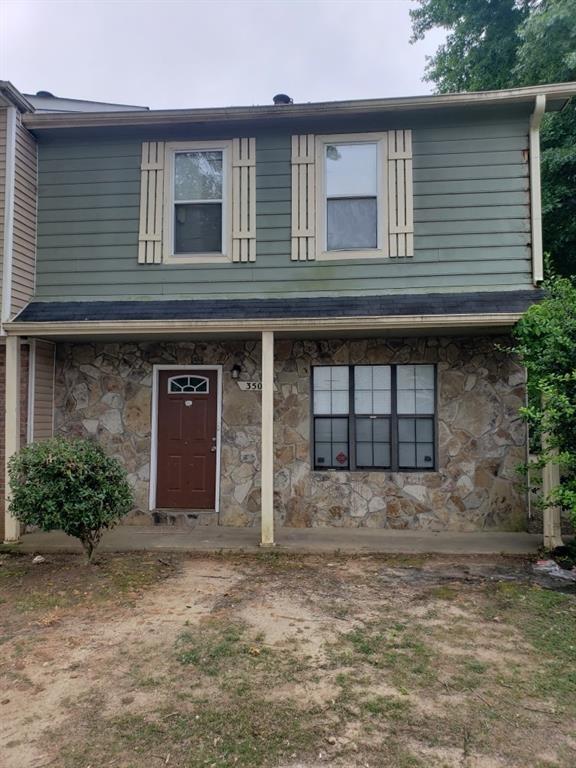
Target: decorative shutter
{"x":303,"y":198}
{"x":151,"y":203}
{"x":244,"y":200}
{"x":400,"y":194}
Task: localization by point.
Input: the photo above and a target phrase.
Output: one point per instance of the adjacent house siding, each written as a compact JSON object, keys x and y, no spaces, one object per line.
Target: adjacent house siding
{"x":42,"y":426}
{"x":3,"y":117}
{"x":24,"y":242}
{"x":471,"y":212}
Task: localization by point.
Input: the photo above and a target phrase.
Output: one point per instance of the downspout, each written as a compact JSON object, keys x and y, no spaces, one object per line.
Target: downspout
{"x":535,"y":189}
{"x":8,"y":217}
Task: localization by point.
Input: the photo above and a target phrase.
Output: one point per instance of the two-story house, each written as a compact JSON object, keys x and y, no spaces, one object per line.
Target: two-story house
{"x":296,"y":313}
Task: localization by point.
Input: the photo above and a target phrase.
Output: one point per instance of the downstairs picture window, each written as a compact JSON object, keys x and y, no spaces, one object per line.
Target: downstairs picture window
{"x":374,"y":417}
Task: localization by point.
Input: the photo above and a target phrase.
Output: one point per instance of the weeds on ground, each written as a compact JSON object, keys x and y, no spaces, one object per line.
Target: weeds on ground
{"x":398,"y":647}
{"x":244,"y":732}
{"x":222,"y":712}
{"x":547,"y":621}
{"x":64,"y":581}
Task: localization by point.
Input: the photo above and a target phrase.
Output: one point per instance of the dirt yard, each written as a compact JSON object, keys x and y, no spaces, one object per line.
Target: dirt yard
{"x":286,"y":662}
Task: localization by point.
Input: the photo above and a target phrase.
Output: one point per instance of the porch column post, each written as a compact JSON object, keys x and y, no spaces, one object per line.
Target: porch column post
{"x":11,"y":428}
{"x":267,"y":440}
{"x":552,"y":526}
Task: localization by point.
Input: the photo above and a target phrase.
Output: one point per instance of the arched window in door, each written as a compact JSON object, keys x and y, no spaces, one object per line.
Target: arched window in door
{"x":183,"y":384}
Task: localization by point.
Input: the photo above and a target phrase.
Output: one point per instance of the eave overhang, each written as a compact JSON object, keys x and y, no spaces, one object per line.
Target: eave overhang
{"x":307,"y":325}
{"x":557,"y":96}
{"x":11,"y":96}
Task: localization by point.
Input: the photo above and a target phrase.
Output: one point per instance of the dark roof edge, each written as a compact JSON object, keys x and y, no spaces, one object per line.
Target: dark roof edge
{"x":485,"y":302}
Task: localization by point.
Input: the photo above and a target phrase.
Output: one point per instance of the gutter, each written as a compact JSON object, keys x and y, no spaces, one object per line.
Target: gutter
{"x":286,"y":325}
{"x":38,"y":122}
{"x":535,"y":189}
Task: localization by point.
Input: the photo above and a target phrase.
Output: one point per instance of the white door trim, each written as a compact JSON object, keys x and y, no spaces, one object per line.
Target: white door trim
{"x":154,"y":437}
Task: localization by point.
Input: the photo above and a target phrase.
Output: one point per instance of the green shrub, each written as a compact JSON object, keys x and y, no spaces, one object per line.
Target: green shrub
{"x":69,"y":485}
{"x":546,"y":343}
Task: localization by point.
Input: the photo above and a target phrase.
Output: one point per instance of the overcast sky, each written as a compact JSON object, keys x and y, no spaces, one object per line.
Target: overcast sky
{"x":202,"y":53}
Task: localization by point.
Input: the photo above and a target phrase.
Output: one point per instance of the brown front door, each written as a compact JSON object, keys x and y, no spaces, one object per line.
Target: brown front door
{"x":187,"y":427}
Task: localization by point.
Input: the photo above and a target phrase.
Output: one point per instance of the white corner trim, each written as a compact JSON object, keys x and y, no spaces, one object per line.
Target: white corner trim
{"x":8,"y":215}
{"x":535,"y":189}
{"x":154,"y":431}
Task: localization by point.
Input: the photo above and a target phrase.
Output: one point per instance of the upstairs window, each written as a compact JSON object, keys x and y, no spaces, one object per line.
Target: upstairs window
{"x":374,"y":417}
{"x":198,"y":198}
{"x":198,"y":202}
{"x":351,"y":200}
{"x":351,"y":196}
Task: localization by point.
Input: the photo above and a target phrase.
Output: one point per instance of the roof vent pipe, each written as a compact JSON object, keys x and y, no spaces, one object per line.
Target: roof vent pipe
{"x":282,"y":98}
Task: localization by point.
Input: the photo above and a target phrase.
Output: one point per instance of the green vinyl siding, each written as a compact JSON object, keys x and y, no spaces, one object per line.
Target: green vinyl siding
{"x":471,"y":213}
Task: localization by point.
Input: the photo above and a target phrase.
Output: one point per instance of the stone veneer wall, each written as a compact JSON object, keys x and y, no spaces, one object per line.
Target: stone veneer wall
{"x":105,"y":390}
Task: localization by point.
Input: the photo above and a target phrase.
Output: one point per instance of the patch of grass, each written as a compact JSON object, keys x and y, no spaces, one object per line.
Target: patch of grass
{"x":244,"y":732}
{"x":37,"y":600}
{"x":388,"y":707}
{"x":445,"y":592}
{"x":475,"y":666}
{"x":228,"y":651}
{"x":211,"y":646}
{"x":469,"y":675}
{"x":397,"y":646}
{"x":547,"y":621}
{"x":64,"y":581}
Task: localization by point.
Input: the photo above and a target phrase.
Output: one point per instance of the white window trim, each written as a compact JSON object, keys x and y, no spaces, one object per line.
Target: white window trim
{"x":154,"y":436}
{"x":171,"y":149}
{"x":381,"y":140}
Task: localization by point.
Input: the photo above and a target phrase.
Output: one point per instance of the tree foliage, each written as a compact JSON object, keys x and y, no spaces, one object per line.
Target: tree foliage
{"x":481,"y":46}
{"x":69,"y":485}
{"x":504,"y":44}
{"x":546,"y":343}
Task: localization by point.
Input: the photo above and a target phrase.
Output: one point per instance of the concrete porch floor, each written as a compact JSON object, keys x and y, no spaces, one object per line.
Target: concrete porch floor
{"x":298,"y":540}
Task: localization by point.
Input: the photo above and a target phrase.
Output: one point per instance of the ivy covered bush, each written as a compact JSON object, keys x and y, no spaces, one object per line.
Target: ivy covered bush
{"x":69,"y":485}
{"x":546,"y":343}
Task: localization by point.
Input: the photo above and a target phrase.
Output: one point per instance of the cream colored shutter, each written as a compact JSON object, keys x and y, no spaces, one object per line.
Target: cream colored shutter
{"x":400,"y":194}
{"x":244,"y":200}
{"x":151,"y":203}
{"x":303,"y":198}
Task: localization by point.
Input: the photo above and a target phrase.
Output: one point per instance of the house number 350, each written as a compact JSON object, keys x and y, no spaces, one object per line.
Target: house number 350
{"x":247,"y":385}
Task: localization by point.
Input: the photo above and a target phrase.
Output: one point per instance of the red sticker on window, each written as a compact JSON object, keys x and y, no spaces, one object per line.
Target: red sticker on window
{"x":341,"y":458}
